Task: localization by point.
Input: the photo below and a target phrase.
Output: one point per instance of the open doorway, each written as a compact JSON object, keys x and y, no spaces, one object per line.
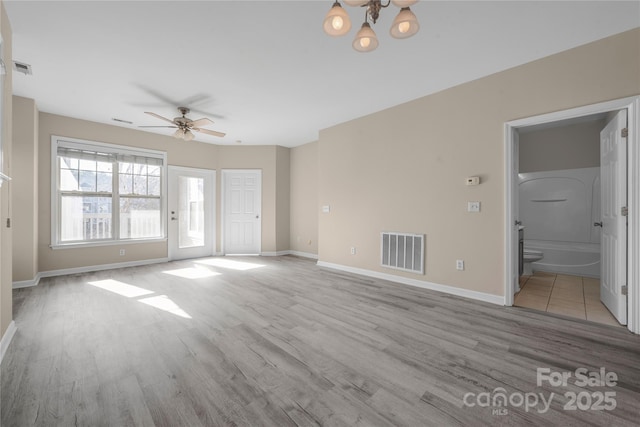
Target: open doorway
{"x":559,"y":194}
{"x":550,"y":185}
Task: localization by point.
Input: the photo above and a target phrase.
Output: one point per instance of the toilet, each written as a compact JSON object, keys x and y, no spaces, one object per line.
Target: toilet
{"x":530,"y":256}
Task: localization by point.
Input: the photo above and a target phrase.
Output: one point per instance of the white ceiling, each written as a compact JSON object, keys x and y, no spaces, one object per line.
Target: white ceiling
{"x":264,"y":71}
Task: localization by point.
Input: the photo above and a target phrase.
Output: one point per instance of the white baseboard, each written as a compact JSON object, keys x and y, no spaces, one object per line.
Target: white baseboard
{"x":90,"y":268}
{"x":6,"y":339}
{"x":480,"y":296}
{"x":303,"y":254}
{"x":289,"y":252}
{"x":27,"y":283}
{"x":278,"y":253}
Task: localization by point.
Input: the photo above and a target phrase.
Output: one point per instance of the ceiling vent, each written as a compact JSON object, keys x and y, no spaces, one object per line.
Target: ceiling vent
{"x":23,"y":68}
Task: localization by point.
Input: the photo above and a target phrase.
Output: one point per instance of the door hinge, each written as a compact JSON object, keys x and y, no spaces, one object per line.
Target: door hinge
{"x":624,"y":211}
{"x":624,"y":132}
{"x":624,"y":290}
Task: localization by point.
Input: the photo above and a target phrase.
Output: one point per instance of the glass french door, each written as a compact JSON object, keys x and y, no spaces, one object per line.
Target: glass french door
{"x":191,"y":212}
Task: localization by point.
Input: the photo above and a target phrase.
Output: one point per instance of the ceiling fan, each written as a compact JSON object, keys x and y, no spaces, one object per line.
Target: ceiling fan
{"x":185,"y":125}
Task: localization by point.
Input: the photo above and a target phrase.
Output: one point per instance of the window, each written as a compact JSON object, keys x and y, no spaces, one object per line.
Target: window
{"x":105,"y":193}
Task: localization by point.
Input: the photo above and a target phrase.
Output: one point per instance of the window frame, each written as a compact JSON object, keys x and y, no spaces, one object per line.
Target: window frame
{"x":56,"y":193}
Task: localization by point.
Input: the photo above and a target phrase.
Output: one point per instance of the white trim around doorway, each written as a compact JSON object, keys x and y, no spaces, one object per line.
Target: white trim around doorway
{"x":632,"y":105}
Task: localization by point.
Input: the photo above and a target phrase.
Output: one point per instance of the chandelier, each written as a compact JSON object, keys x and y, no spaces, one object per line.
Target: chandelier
{"x":337,"y":22}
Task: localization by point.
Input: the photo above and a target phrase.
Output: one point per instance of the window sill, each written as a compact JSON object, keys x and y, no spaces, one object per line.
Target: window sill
{"x":76,"y":245}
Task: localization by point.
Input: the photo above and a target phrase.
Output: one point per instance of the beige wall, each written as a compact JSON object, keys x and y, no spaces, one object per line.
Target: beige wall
{"x":283,"y":198}
{"x":6,"y":234}
{"x":404,"y":169}
{"x":179,"y":153}
{"x":25,"y":189}
{"x":304,"y":199}
{"x":566,"y":147}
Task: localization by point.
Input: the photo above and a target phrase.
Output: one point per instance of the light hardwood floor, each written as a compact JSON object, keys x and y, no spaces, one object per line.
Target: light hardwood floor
{"x":282,"y":342}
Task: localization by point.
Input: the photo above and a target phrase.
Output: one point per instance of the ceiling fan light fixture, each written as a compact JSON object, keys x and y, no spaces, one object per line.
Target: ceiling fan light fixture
{"x":185,"y":125}
{"x":336,"y":22}
{"x":366,"y":39}
{"x":188,"y":135}
{"x":405,"y":24}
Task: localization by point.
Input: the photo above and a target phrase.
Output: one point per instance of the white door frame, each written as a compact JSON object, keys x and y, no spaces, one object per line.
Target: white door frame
{"x":211,"y":193}
{"x":632,"y":105}
{"x":224,"y":174}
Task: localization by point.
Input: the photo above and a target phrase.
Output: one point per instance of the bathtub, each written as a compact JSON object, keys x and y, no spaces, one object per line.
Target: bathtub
{"x":579,"y":259}
{"x":558,"y":210}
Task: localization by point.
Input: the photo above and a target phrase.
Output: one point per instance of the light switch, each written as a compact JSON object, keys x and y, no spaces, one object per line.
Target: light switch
{"x":473,"y":207}
{"x":326,"y":209}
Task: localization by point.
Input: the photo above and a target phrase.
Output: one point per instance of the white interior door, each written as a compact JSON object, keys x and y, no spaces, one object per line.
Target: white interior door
{"x":515,"y":200}
{"x":191,"y":212}
{"x":242,"y":217}
{"x":613,"y":164}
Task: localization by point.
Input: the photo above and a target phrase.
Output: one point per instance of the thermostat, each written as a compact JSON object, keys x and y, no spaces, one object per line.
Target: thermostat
{"x":473,"y":180}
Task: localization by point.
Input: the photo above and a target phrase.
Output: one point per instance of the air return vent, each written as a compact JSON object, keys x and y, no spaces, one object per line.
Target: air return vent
{"x":402,"y":251}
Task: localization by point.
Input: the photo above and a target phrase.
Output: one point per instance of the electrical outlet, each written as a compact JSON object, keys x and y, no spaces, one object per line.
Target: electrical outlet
{"x":459,"y":264}
{"x":353,"y":250}
{"x":121,"y":252}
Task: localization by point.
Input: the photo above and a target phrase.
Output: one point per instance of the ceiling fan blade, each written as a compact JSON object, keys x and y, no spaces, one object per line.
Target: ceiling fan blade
{"x":158,"y":116}
{"x":158,"y":127}
{"x":210,"y":132}
{"x":201,"y":122}
{"x":207,"y":113}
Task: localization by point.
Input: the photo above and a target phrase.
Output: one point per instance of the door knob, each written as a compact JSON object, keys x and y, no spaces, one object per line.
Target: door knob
{"x":597,"y":224}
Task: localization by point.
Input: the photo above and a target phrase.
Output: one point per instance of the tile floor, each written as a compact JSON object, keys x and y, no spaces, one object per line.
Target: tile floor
{"x":573,"y":296}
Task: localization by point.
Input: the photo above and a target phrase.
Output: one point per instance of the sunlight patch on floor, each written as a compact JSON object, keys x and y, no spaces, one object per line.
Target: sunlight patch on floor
{"x":165,"y":303}
{"x":161,"y":302}
{"x":230,"y":264}
{"x":120,"y":288}
{"x":192,"y":272}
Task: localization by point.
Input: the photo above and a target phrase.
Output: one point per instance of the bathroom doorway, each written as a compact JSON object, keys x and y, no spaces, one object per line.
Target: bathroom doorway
{"x":559,"y":193}
{"x":562,"y":181}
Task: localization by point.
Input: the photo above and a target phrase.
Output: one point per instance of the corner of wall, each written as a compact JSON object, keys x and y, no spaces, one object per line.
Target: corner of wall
{"x":24,"y":197}
{"x":283,"y":198}
{"x":6,"y":234}
{"x":303,"y":185}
